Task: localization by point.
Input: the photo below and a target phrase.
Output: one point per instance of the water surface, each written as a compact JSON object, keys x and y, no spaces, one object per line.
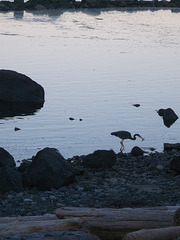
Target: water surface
{"x":93,"y":65}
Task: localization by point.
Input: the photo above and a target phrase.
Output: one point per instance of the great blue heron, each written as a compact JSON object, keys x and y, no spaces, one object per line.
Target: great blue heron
{"x":125,"y":135}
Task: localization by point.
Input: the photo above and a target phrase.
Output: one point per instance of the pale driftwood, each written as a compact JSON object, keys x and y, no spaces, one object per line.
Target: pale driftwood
{"x":169,"y":233}
{"x":22,"y":225}
{"x":108,"y":223}
{"x":28,"y":218}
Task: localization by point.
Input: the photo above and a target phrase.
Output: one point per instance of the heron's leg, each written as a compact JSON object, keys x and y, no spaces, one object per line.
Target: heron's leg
{"x":122,"y":146}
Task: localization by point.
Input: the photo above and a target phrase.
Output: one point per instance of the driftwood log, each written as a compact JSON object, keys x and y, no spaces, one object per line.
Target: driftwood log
{"x":106,"y":223}
{"x":169,"y":233}
{"x":114,"y":224}
{"x":34,"y":224}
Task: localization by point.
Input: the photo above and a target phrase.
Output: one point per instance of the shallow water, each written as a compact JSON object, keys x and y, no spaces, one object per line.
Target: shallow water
{"x":93,"y":64}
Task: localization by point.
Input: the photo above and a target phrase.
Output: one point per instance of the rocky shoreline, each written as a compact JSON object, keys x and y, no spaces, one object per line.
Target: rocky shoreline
{"x":142,"y":181}
{"x":20,"y":5}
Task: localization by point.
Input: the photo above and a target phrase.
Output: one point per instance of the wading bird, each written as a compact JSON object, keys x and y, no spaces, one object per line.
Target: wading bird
{"x":125,"y":135}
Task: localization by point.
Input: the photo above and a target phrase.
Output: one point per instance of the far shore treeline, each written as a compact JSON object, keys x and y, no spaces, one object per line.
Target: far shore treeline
{"x":55,"y":4}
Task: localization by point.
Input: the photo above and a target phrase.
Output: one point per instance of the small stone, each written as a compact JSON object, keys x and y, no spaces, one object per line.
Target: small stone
{"x":136,"y":105}
{"x":52,"y":197}
{"x":10,"y":196}
{"x":20,"y":195}
{"x":28,"y":200}
{"x":16,"y":129}
{"x":160,"y":167}
{"x":43,"y":199}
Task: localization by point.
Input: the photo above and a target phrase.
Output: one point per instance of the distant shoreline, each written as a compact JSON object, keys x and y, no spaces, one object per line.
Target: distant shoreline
{"x":89,"y":4}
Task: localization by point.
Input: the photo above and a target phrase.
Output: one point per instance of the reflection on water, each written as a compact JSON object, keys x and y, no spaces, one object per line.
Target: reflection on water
{"x":9,"y":110}
{"x":94,"y":65}
{"x":18,"y":14}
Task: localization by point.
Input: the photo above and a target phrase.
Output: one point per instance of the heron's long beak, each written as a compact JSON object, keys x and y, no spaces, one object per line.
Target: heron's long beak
{"x":142,"y":139}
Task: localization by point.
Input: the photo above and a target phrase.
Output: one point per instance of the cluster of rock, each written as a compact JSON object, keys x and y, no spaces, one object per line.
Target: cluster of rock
{"x":47,"y":170}
{"x":100,"y":179}
{"x":54,"y":4}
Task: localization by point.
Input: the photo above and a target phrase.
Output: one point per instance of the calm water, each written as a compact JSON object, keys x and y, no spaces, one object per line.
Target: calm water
{"x":93,"y":64}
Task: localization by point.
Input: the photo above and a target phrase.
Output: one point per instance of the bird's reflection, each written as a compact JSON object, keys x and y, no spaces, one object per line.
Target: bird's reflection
{"x":8,"y":109}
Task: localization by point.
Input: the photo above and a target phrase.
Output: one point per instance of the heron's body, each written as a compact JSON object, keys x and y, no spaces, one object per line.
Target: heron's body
{"x":125,"y":135}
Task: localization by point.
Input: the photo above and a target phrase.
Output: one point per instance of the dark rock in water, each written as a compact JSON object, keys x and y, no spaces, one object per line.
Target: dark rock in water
{"x":175,"y":164}
{"x":16,"y":129}
{"x":168,"y":115}
{"x":136,"y":105}
{"x":100,"y":159}
{"x":137,"y":151}
{"x":6,"y":159}
{"x":171,"y":146}
{"x":49,"y":170}
{"x":71,"y":118}
{"x":10,"y":180}
{"x":53,"y":236}
{"x":17,"y":87}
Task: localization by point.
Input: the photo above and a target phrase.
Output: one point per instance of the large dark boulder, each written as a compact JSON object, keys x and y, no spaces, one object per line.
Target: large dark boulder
{"x":6,"y":159}
{"x":175,"y":164}
{"x":17,"y":87}
{"x":10,"y":180}
{"x":100,"y":159}
{"x":49,"y":170}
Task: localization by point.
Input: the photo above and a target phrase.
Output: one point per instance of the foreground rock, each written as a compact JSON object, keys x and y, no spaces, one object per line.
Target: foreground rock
{"x":49,"y":170}
{"x":175,"y":164}
{"x":17,"y":87}
{"x":144,"y":181}
{"x":137,"y":151}
{"x":6,"y":159}
{"x":100,"y":159}
{"x":10,"y":180}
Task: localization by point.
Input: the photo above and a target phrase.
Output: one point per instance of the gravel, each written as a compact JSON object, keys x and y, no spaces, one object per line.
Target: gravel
{"x":145,"y":181}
